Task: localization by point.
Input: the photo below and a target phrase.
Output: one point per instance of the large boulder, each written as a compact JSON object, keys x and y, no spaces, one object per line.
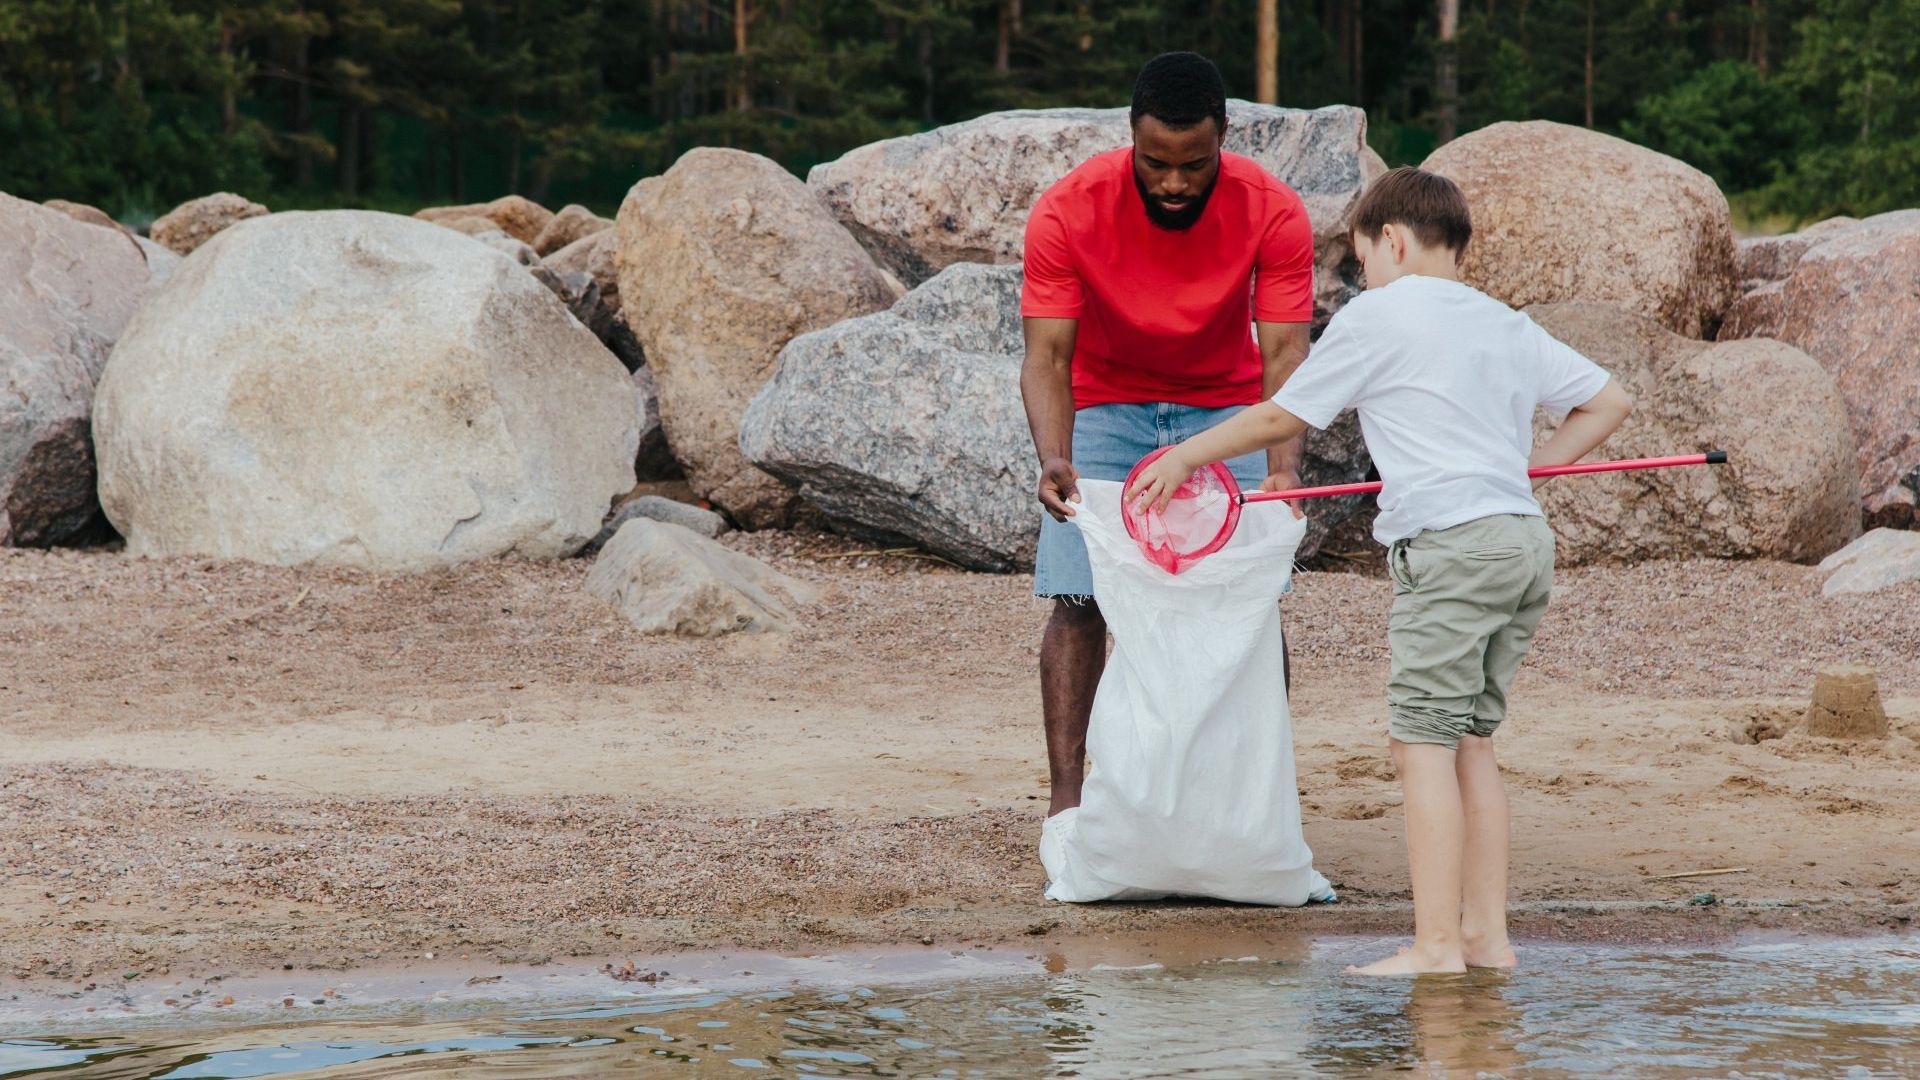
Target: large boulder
{"x":598,"y":257}
{"x":572,"y":224}
{"x":723,"y":260}
{"x":962,"y":193}
{"x":1788,"y":490}
{"x":358,"y":389}
{"x":192,"y":224}
{"x":517,"y":216}
{"x":667,"y":579}
{"x":908,"y":424}
{"x":1852,"y":302}
{"x":1563,"y":213}
{"x":67,"y":291}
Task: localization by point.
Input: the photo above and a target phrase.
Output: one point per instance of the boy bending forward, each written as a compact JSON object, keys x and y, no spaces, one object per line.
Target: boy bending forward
{"x":1445,"y":380}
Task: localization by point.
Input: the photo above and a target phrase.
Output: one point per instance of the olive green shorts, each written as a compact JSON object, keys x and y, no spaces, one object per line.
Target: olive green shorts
{"x":1466,"y":602}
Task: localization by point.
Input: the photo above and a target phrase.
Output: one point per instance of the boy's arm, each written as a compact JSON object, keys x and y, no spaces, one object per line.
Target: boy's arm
{"x":1585,"y":427}
{"x":1256,"y":427}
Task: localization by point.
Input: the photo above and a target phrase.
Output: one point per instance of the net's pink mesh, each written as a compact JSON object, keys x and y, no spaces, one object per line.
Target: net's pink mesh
{"x":1195,"y":523}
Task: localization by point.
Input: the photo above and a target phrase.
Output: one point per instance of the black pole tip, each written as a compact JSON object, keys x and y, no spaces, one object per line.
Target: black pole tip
{"x":1716,"y":457}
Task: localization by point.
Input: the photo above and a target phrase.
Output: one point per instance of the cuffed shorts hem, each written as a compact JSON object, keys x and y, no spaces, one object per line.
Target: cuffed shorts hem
{"x":1418,"y":726}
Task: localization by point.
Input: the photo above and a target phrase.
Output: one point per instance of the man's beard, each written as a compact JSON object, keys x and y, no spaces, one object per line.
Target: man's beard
{"x":1178,"y":220}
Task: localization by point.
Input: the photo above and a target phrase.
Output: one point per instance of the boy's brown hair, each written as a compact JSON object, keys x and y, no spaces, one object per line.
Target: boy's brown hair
{"x":1429,"y":204}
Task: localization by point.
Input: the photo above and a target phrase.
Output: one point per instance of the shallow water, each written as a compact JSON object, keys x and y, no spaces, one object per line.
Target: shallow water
{"x":1826,"y":1008}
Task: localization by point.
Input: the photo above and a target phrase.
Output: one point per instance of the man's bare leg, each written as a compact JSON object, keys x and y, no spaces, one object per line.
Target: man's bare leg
{"x":1483,"y":888}
{"x":1073,"y":651}
{"x":1435,"y":839}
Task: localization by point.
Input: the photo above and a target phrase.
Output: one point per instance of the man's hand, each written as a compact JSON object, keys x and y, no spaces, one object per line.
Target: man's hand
{"x":1284,"y":480}
{"x":1059,"y":487}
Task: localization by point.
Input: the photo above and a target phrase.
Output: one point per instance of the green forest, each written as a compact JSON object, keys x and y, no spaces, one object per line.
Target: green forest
{"x":1799,"y":108}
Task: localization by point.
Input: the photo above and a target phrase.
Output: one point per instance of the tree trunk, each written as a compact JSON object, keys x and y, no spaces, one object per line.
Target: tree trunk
{"x":229,"y":108}
{"x":300,"y":118}
{"x":1085,"y":11}
{"x":743,"y":86}
{"x":1266,"y":54}
{"x":1757,"y":35}
{"x":346,"y":172}
{"x":513,"y":162}
{"x":369,"y":148}
{"x":1589,"y":79}
{"x":458,"y":183}
{"x":1446,"y":79}
{"x":926,"y":71}
{"x":1003,"y":44}
{"x":1359,"y":53}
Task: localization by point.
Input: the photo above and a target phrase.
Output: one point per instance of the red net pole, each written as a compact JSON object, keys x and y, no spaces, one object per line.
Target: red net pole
{"x":1711,"y":457}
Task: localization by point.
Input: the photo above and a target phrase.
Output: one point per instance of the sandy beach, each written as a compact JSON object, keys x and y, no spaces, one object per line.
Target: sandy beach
{"x":222,"y":767}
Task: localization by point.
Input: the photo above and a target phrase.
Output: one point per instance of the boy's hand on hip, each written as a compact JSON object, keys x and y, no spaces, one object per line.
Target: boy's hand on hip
{"x":1059,"y":487}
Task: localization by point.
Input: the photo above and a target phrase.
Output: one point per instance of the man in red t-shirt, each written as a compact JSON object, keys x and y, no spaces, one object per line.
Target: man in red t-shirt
{"x":1144,"y":267}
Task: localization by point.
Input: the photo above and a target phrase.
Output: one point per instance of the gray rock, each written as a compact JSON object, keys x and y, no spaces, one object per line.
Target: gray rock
{"x":908,"y":424}
{"x":596,"y":256}
{"x":1878,"y":560}
{"x":357,"y":389}
{"x":67,"y":292}
{"x":655,"y":460}
{"x":666,"y":579}
{"x":659,"y":508}
{"x":161,"y":262}
{"x":961,"y":193}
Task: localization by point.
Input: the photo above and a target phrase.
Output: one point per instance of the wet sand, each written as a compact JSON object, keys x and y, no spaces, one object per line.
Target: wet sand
{"x":215,"y":768}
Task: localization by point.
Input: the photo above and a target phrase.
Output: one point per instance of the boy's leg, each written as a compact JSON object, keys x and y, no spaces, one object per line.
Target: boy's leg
{"x":1435,"y":836}
{"x":1483,"y":915}
{"x":1453,"y":590}
{"x":1483,"y":868}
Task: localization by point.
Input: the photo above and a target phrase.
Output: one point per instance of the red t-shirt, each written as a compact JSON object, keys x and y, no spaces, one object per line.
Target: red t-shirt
{"x":1164,"y":315}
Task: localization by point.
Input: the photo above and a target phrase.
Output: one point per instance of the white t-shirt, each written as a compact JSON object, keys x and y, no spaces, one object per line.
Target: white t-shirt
{"x":1445,"y":379}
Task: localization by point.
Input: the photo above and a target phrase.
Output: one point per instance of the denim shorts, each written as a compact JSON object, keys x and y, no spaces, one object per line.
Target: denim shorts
{"x":1108,"y":441}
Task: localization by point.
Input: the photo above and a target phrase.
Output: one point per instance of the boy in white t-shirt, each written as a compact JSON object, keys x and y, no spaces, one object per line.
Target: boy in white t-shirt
{"x":1445,"y":380}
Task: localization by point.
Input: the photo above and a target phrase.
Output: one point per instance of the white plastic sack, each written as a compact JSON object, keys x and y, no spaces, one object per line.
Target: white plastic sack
{"x":1191,"y":787}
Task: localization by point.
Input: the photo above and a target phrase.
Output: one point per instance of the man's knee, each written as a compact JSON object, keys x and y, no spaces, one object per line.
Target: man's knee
{"x":1078,"y":614}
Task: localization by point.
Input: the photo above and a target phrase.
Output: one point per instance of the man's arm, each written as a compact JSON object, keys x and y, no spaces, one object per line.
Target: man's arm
{"x":1046,"y":385}
{"x":1586,"y":427}
{"x":1282,"y":346}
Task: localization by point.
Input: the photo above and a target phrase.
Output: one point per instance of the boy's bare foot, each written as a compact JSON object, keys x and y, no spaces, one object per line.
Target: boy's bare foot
{"x":1414,"y":961}
{"x":1488,"y":954}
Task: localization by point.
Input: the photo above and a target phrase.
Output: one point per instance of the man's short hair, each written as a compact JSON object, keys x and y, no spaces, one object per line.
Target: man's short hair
{"x":1429,"y":204}
{"x":1180,"y":89}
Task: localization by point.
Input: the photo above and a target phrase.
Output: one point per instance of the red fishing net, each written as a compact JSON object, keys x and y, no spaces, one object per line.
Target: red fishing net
{"x":1195,"y":523}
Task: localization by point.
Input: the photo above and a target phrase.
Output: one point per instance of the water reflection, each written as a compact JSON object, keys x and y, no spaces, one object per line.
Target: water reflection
{"x":1798,"y":1010}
